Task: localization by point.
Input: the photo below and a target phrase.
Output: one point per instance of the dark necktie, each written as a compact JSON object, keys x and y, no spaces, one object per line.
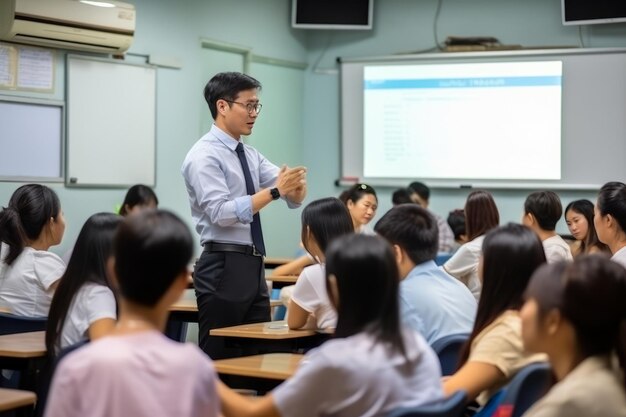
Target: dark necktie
{"x":255,"y":226}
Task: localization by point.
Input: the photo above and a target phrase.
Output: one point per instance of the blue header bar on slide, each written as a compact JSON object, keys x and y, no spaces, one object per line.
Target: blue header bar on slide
{"x":474,"y":82}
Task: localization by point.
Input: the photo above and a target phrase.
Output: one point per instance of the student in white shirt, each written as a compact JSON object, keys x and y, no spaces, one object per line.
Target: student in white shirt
{"x":494,"y":352}
{"x":322,"y":221}
{"x":575,"y":313}
{"x":84,"y":306}
{"x":372,"y":365}
{"x":542,"y":211}
{"x":579,"y":219}
{"x":31,"y":223}
{"x":481,"y":216}
{"x":610,"y":219}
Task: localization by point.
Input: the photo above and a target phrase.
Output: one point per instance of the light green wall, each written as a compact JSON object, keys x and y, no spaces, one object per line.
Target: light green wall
{"x":405,"y":26}
{"x":310,"y":136}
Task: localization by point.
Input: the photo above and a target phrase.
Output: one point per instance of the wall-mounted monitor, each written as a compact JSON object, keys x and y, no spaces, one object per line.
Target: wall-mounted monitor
{"x":332,"y":14}
{"x":586,"y":12}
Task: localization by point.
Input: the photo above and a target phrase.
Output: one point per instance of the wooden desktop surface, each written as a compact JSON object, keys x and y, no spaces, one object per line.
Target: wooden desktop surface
{"x":276,"y":330}
{"x":191,"y":305}
{"x":23,"y":345}
{"x":270,"y":365}
{"x":11,"y":399}
{"x":287,"y":279}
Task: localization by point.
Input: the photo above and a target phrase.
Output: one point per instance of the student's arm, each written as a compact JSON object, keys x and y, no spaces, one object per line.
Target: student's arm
{"x":474,"y":378}
{"x":296,"y":315}
{"x":100,"y":328}
{"x":294,"y":267}
{"x":235,"y":405}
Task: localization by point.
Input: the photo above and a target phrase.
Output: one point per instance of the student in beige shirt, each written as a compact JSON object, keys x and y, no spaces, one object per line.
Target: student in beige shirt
{"x":494,"y":352}
{"x":574,"y":313}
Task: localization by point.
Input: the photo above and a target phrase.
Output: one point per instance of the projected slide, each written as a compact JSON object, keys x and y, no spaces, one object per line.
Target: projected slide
{"x":465,"y":121}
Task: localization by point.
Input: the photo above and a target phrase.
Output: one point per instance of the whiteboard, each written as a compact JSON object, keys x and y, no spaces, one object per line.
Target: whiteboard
{"x":31,"y":140}
{"x":111,"y":109}
{"x":593,"y":126}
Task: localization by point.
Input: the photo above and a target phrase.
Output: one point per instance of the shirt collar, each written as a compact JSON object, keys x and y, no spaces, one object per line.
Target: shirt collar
{"x":423,"y":267}
{"x":230,"y":142}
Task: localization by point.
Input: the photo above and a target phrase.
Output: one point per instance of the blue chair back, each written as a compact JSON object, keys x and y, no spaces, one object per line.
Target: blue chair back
{"x":442,"y":258}
{"x":279,"y":311}
{"x":453,"y":406}
{"x":11,"y":324}
{"x":529,"y":385}
{"x":448,"y":349}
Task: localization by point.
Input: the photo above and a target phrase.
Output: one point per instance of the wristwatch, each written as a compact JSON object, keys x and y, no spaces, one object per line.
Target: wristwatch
{"x":275,"y":193}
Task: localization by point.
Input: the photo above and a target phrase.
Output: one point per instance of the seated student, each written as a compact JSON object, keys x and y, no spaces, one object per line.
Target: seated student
{"x":83,"y":306}
{"x":401,"y":196}
{"x":136,"y":370}
{"x":372,"y":365}
{"x":579,"y":219}
{"x":494,"y":351}
{"x":138,"y":197}
{"x":542,"y":210}
{"x":362,"y":203}
{"x":30,"y":224}
{"x":420,"y":194}
{"x":431,"y":301}
{"x":610,"y":219}
{"x":575,"y":313}
{"x":456,"y":221}
{"x":481,"y":216}
{"x":322,"y":221}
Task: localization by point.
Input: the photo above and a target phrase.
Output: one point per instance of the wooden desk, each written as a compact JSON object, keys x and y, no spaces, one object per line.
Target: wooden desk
{"x":187,"y":309}
{"x":274,"y":262}
{"x":270,"y":365}
{"x":277,"y":330}
{"x":23,"y":345}
{"x":10,"y":399}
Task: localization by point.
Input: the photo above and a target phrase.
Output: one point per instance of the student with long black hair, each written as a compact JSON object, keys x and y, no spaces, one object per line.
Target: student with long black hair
{"x":322,"y":221}
{"x":84,"y":306}
{"x":575,"y":313}
{"x":138,"y":197}
{"x":372,"y":365}
{"x":579,"y":219}
{"x":610,"y":219}
{"x":31,"y":223}
{"x":494,"y":351}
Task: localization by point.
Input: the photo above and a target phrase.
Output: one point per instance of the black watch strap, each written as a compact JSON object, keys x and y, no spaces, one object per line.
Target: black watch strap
{"x":275,"y":193}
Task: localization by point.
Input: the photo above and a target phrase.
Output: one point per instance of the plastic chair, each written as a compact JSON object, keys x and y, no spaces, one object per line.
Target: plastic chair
{"x":11,"y":324}
{"x":442,"y":258}
{"x":448,"y":349}
{"x":279,"y":311}
{"x":453,"y":406}
{"x":529,"y":385}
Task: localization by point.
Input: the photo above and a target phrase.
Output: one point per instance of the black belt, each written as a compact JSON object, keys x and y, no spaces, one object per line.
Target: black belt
{"x":231,"y":247}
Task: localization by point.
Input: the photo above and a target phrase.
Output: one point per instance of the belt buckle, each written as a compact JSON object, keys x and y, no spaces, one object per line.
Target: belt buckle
{"x":256,"y":252}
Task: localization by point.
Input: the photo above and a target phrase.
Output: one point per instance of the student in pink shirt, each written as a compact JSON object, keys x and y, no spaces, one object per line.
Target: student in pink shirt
{"x":136,"y":370}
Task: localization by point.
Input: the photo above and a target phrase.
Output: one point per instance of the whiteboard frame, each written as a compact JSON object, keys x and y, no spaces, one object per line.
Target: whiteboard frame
{"x":49,"y":103}
{"x":69,"y":180}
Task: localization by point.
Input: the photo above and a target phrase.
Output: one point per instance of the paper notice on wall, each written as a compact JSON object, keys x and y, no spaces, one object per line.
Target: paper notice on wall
{"x":35,"y":68}
{"x":8,"y":59}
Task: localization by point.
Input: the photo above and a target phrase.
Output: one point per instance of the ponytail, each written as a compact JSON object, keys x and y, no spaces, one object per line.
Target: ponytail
{"x":11,"y":233}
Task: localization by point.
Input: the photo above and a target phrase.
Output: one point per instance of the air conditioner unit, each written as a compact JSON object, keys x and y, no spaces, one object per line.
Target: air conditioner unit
{"x":98,"y":26}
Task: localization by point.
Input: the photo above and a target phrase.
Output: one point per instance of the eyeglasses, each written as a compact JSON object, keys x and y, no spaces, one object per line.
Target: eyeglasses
{"x":251,"y":107}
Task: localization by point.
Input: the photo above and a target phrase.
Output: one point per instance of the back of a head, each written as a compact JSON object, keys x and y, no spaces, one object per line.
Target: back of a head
{"x":511,"y":253}
{"x":227,"y":86}
{"x":412,"y":228}
{"x":88,"y":263}
{"x":141,"y":195}
{"x":30,"y":208}
{"x":366,"y":275}
{"x":151,"y":248}
{"x":401,"y":196}
{"x":327,"y":219}
{"x":612,"y":200}
{"x":481,"y":214}
{"x":420,"y":189}
{"x":456,"y":221}
{"x":589,"y":293}
{"x":545,"y":206}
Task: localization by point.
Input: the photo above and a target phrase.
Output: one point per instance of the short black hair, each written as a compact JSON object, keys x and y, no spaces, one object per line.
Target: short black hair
{"x":412,"y":228}
{"x":151,"y":249}
{"x":227,"y":86}
{"x":546,"y":207}
{"x":420,"y":189}
{"x":401,"y":196}
{"x":138,"y":194}
{"x":456,"y":221}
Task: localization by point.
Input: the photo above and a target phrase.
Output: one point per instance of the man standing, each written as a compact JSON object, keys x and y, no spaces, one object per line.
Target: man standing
{"x":228,"y":184}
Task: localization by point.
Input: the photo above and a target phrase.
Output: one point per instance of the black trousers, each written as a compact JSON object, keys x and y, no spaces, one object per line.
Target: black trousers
{"x":231,"y":290}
